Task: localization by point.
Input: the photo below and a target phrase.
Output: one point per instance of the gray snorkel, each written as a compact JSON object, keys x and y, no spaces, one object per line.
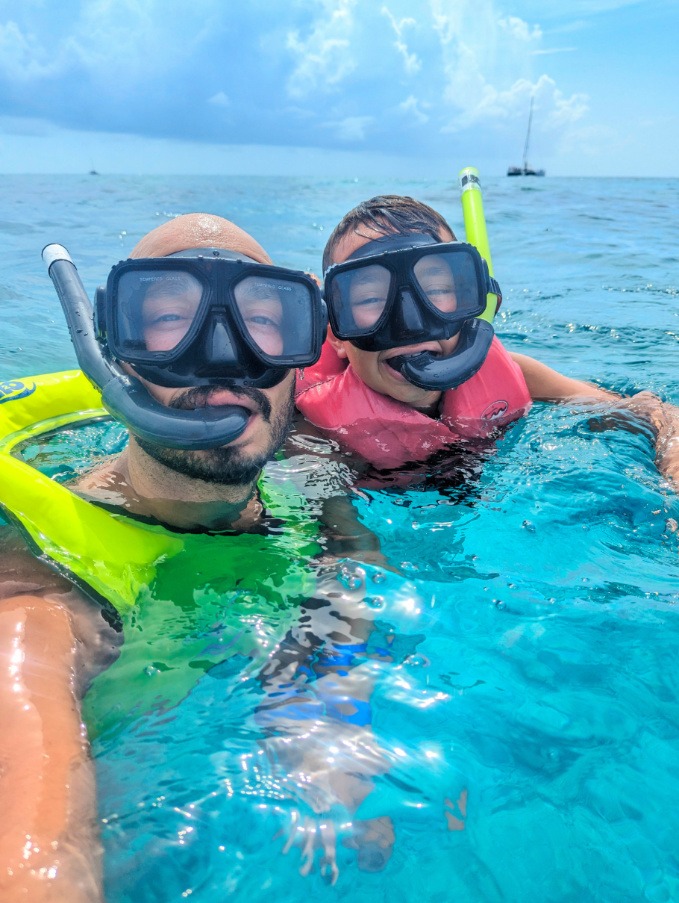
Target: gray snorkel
{"x":123,"y":395}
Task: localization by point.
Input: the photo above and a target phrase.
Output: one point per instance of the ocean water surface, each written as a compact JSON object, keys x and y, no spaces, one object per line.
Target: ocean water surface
{"x":522,"y":661}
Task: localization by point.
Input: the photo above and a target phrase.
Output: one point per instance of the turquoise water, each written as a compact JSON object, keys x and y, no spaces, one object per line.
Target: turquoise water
{"x":524,"y":653}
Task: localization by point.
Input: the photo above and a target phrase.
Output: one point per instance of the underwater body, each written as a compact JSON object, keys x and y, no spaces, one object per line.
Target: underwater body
{"x":522,"y":665}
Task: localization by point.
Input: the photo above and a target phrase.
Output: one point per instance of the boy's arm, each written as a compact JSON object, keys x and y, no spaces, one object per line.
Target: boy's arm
{"x":345,"y":535}
{"x":545,"y":384}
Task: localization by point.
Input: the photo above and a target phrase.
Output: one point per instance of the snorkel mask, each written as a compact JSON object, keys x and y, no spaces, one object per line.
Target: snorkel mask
{"x":404,"y":289}
{"x":202,"y":317}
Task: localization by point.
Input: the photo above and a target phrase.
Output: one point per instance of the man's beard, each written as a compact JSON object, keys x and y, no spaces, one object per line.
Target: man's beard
{"x":226,"y":465}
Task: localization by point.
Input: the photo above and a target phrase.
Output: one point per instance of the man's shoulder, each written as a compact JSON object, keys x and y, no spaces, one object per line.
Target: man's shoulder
{"x":21,"y":572}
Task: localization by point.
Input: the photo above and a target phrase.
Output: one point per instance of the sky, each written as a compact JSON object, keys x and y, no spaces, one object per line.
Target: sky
{"x":348,"y":87}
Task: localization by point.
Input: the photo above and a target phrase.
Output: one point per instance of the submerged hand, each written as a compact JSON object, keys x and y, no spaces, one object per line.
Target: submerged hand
{"x":373,"y":839}
{"x":313,"y":834}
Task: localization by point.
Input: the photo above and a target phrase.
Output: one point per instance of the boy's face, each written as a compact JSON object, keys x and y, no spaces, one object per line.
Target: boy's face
{"x":373,"y":366}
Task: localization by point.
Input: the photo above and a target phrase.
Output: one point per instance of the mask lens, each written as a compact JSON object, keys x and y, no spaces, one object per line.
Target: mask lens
{"x":277,"y":315}
{"x":359,"y":297}
{"x":450,"y":283}
{"x":156,"y":310}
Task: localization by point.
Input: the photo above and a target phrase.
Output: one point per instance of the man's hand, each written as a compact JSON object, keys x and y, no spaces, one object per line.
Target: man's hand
{"x":649,"y":412}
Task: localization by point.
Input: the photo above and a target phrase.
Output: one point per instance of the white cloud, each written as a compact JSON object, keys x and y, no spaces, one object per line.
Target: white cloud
{"x":563,"y":111}
{"x":351,"y":129}
{"x":220,"y":99}
{"x":554,"y":111}
{"x":323,"y":57}
{"x":21,"y":56}
{"x":488,"y":77}
{"x":116,"y":40}
{"x":519,"y":30}
{"x":411,"y":108}
{"x":484,"y":54}
{"x":393,"y":73}
{"x":411,"y":62}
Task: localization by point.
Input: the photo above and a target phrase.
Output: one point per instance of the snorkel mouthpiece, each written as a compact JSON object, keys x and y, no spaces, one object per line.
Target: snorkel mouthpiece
{"x":202,"y":428}
{"x":122,"y":395}
{"x":430,"y":371}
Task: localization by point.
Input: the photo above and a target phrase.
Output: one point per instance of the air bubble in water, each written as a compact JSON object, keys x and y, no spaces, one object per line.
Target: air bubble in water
{"x":375,"y":602}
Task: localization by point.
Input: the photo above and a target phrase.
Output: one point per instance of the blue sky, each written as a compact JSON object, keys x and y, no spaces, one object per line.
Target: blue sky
{"x":348,"y":87}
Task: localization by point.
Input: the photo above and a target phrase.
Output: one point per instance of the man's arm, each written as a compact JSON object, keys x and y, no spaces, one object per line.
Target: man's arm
{"x":545,"y":384}
{"x":316,"y":720}
{"x":50,"y":637}
{"x":664,"y":419}
{"x":47,"y":845}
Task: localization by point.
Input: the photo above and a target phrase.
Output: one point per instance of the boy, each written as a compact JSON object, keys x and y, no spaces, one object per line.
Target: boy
{"x":408,"y":368}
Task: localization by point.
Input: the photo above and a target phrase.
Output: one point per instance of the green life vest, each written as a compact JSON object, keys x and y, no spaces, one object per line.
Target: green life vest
{"x":113,"y":557}
{"x":187,"y":601}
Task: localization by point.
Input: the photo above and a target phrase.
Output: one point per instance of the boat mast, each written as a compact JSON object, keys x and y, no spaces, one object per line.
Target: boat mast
{"x":525,"y":149}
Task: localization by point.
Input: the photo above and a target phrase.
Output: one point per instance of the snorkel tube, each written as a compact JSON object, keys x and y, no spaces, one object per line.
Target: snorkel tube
{"x":475,"y":228}
{"x":123,"y":395}
{"x":442,"y":373}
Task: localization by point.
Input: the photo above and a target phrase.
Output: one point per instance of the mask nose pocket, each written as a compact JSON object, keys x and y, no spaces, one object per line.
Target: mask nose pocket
{"x":408,"y":319}
{"x":218,"y":345}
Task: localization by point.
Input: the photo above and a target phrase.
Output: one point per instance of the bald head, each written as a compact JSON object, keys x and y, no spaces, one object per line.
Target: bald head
{"x":198,"y":230}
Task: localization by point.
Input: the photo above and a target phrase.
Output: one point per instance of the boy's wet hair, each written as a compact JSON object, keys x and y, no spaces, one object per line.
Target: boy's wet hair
{"x":388,"y":214}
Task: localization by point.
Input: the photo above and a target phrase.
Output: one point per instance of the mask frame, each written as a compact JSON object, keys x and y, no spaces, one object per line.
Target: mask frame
{"x":217,"y":349}
{"x":398,"y":253}
{"x":125,"y":396}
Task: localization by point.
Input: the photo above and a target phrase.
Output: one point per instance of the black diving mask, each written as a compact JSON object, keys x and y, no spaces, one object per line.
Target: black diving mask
{"x":401,"y":290}
{"x":203,"y":317}
{"x":210,"y":317}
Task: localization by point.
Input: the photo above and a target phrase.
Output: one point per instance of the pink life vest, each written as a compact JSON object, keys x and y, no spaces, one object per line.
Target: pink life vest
{"x":388,"y":433}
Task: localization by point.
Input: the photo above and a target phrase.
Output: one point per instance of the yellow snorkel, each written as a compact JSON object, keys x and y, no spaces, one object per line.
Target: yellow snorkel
{"x":475,"y":227}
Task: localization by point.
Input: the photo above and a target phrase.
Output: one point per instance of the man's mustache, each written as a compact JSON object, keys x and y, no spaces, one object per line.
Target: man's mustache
{"x":199,"y":397}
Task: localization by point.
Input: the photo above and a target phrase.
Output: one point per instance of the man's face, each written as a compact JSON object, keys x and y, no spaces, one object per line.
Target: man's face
{"x":170,"y":310}
{"x":373,"y":366}
{"x":240,"y":461}
{"x":167,"y":312}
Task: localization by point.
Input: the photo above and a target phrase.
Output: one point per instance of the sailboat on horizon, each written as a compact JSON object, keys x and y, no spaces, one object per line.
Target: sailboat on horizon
{"x":526,"y":170}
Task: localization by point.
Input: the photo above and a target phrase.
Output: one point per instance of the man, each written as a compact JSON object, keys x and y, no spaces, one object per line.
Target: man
{"x":208,"y":335}
{"x":409,"y":368}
